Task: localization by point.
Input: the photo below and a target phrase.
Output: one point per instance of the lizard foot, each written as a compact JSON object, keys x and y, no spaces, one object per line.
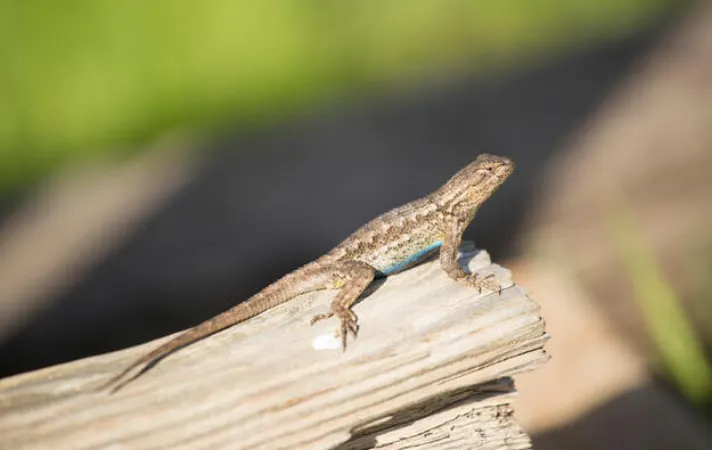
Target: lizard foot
{"x":487,"y":282}
{"x":349,"y":322}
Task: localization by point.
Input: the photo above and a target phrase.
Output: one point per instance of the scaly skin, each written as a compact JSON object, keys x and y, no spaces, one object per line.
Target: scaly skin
{"x":388,"y":244}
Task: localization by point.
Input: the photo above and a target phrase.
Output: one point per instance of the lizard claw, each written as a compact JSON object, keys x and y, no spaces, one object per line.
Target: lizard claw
{"x":319,"y":317}
{"x":349,"y":322}
{"x":487,"y":282}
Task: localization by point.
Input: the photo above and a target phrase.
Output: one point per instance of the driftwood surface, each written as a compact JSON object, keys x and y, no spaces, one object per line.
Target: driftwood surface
{"x":430,"y":368}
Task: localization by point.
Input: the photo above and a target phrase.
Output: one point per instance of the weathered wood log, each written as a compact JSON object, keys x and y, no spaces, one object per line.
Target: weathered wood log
{"x":430,"y":367}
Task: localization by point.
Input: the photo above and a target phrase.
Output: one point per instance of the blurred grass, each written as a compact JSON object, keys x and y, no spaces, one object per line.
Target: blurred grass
{"x":681,"y":351}
{"x":699,"y":277}
{"x":80,"y":77}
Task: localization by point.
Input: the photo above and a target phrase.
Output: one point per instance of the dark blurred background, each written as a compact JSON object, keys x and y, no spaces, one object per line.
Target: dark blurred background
{"x":161,"y":161}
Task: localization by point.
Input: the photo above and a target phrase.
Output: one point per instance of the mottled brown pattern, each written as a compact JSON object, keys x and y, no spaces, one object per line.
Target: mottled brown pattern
{"x":388,"y":243}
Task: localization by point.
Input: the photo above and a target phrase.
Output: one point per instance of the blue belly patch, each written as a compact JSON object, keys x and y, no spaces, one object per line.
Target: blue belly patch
{"x":411,"y":260}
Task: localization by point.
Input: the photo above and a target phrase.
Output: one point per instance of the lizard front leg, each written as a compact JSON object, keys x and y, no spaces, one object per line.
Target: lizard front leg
{"x":449,"y":263}
{"x":351,"y":278}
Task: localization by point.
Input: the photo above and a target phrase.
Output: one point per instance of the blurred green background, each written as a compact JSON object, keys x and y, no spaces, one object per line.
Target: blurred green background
{"x":82,"y":80}
{"x":87,"y":78}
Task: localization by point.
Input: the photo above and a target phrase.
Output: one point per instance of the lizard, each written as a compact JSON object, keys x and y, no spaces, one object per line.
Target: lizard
{"x":388,"y":244}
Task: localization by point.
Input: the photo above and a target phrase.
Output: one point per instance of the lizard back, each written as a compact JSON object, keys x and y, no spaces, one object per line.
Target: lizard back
{"x":396,"y":240}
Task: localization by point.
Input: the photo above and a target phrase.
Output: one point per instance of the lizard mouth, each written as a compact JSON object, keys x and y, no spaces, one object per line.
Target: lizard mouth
{"x":504,"y":171}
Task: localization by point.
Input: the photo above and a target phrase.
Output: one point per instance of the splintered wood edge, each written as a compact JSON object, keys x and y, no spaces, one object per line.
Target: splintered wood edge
{"x":422,"y":337}
{"x":477,"y":421}
{"x":476,"y":417}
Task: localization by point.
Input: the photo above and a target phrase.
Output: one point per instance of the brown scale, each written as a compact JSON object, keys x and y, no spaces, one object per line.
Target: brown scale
{"x":398,"y":236}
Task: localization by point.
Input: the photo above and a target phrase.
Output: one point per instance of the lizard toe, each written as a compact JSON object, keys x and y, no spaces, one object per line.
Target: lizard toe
{"x":320,"y":317}
{"x":487,"y":282}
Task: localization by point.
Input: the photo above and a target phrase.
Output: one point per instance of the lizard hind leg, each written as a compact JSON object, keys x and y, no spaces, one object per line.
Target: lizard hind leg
{"x":354,"y":277}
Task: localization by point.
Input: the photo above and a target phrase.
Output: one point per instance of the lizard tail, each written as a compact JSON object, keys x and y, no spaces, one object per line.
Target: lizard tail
{"x":232,"y":316}
{"x":298,"y":282}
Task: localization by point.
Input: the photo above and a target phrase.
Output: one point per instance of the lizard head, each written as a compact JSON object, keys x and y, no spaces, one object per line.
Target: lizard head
{"x":471,"y":186}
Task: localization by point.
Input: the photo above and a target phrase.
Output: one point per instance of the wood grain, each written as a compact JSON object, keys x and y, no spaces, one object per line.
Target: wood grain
{"x":430,"y":366}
